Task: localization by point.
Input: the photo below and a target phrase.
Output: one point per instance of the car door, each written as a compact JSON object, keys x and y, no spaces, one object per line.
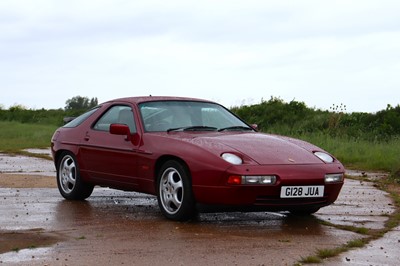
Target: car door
{"x":107,"y":158}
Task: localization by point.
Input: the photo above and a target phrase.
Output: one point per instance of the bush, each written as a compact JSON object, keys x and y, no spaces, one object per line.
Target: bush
{"x":295,"y":118}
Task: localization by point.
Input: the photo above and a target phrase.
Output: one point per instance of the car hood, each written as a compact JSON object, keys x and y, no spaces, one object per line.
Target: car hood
{"x":261,"y":148}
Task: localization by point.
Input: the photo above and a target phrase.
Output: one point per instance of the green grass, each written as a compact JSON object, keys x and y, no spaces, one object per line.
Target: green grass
{"x":15,"y":136}
{"x":356,"y":243}
{"x":328,"y":253}
{"x":310,"y":260}
{"x":353,"y":153}
{"x":360,"y":154}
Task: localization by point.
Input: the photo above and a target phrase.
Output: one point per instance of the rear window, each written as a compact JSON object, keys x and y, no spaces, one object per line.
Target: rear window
{"x":80,"y":119}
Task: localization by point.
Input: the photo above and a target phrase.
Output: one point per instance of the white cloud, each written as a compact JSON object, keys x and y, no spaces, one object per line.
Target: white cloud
{"x":230,"y":51}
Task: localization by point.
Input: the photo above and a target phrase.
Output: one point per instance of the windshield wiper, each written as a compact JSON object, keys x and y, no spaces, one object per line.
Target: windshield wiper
{"x":235,"y":128}
{"x":193,"y":128}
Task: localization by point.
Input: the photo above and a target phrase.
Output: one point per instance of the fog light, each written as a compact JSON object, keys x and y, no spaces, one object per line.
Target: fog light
{"x":334,"y":178}
{"x":261,"y":180}
{"x":268,"y":180}
{"x":251,"y":179}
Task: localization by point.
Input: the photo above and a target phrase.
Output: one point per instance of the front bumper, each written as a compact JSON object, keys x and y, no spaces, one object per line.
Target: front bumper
{"x":268,"y":197}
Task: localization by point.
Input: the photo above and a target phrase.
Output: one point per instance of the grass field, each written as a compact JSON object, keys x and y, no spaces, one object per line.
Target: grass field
{"x":15,"y":136}
{"x":356,"y":154}
{"x":360,"y":154}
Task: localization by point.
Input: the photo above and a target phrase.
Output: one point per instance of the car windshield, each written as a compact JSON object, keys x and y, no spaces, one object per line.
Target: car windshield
{"x":188,"y":116}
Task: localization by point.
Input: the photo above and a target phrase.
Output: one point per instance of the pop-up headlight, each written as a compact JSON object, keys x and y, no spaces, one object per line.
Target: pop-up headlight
{"x":232,"y":158}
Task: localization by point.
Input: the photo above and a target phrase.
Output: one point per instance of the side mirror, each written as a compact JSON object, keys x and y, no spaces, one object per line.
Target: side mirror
{"x":254,"y":126}
{"x":120,"y":129}
{"x":123,"y":130}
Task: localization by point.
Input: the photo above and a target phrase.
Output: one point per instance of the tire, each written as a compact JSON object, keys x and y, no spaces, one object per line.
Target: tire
{"x":69,"y":181}
{"x":174,"y":192}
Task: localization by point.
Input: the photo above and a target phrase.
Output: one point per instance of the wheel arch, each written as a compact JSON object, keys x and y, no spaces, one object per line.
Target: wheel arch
{"x":58,"y":154}
{"x":73,"y":149}
{"x":160,"y":161}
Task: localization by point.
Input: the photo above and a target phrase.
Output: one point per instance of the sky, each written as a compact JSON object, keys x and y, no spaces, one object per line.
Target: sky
{"x":322,"y":53}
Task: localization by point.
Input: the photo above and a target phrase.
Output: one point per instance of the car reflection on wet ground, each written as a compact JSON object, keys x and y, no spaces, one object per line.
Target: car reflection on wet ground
{"x":114,"y":227}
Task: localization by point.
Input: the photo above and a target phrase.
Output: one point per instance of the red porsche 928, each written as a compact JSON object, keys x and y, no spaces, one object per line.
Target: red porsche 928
{"x":192,"y":154}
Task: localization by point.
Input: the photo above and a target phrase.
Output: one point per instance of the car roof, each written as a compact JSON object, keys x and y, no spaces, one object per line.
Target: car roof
{"x":141,"y":99}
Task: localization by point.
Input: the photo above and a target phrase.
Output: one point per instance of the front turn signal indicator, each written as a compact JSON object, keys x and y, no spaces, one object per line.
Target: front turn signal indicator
{"x":235,"y":180}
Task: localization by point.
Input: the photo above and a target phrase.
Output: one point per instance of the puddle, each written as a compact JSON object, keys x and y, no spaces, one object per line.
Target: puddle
{"x":39,"y":151}
{"x":17,"y":164}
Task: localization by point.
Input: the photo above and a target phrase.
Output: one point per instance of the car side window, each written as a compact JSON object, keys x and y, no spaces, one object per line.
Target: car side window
{"x":118,"y":114}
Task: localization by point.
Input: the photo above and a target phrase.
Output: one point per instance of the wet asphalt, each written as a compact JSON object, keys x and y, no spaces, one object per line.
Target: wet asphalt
{"x":125,"y":228}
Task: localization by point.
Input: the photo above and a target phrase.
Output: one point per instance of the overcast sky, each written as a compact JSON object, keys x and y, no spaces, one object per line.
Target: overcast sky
{"x":234,"y":52}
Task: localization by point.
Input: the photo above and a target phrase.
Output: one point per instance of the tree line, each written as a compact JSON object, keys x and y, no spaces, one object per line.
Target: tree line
{"x":292,"y":118}
{"x":73,"y":107}
{"x":295,"y":118}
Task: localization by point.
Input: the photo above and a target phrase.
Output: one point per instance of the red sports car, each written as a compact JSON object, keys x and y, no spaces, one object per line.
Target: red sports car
{"x":194,"y":155}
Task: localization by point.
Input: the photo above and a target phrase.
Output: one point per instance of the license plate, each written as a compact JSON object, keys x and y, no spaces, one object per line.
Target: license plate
{"x":302,"y":191}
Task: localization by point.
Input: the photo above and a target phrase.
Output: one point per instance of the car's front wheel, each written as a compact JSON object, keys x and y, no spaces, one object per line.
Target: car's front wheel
{"x":174,"y":192}
{"x":69,"y":181}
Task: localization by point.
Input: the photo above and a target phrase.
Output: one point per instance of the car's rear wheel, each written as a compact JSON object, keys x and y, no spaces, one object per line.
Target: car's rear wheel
{"x":69,"y":181}
{"x":174,"y":192}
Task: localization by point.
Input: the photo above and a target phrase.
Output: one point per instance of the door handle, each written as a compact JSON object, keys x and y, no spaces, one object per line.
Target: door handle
{"x":87,"y":137}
